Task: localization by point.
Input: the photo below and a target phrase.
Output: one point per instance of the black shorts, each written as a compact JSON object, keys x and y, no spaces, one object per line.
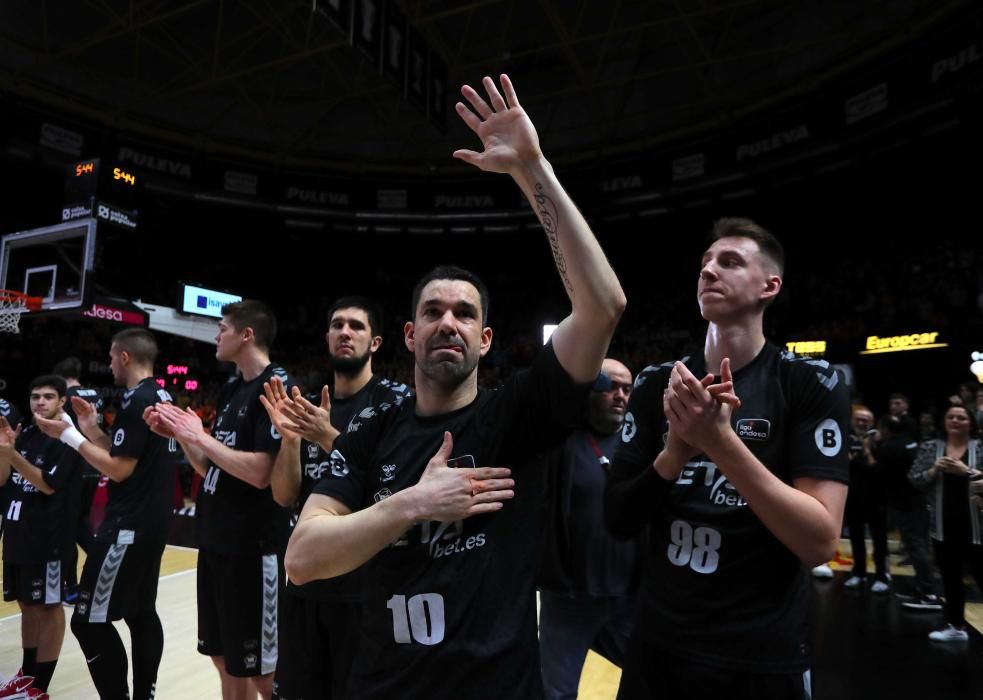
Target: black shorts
{"x":650,"y":672}
{"x":33,"y":583}
{"x":118,"y":580}
{"x":317,"y":647}
{"x":237,"y":611}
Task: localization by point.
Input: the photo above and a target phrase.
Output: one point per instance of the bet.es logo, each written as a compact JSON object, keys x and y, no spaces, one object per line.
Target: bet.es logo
{"x":754,"y":429}
{"x":829,"y":440}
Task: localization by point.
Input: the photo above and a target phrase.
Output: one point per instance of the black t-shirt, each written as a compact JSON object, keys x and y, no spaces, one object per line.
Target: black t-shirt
{"x":452,"y":612}
{"x":39,"y":527}
{"x":13,"y":418}
{"x":579,"y":554}
{"x":139,"y":507}
{"x":379,"y":394}
{"x":894,"y":455}
{"x":234,"y":517}
{"x":716,"y":583}
{"x":955,"y":497}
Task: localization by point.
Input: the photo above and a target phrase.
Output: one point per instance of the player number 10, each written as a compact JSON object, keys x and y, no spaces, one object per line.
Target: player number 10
{"x":696,"y":548}
{"x":410,"y":618}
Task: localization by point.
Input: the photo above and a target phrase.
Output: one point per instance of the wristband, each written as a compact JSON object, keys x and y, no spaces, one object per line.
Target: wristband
{"x":73,"y":438}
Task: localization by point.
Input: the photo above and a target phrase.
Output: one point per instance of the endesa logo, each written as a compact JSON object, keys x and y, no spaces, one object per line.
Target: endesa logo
{"x":754,"y":429}
{"x":108,"y":313}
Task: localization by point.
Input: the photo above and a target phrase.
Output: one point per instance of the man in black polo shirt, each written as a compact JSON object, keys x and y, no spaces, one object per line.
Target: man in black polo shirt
{"x":121,"y":571}
{"x":451,"y":611}
{"x":742,"y":486}
{"x":587,"y":577}
{"x":319,"y":620}
{"x":239,"y":565}
{"x":40,"y":532}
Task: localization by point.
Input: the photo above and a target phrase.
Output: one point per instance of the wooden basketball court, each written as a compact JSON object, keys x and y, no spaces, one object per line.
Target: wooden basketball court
{"x":863,"y":643}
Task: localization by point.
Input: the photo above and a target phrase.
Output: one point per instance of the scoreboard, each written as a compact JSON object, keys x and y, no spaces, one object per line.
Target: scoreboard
{"x":104,"y":190}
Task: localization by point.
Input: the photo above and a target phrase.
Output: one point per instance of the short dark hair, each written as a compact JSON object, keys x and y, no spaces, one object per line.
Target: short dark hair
{"x":769,"y":246}
{"x":138,"y":343}
{"x":250,"y":313}
{"x":898,"y":395}
{"x":52,"y":380}
{"x":359,"y":302}
{"x":69,"y":368}
{"x":452,"y":272}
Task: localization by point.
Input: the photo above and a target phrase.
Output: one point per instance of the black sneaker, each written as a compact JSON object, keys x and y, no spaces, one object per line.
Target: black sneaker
{"x":928,"y":601}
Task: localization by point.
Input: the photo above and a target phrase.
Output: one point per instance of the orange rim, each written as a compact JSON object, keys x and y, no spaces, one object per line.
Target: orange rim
{"x":32,"y":303}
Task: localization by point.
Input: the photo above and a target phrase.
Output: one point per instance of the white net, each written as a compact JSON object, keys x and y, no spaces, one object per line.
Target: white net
{"x":10,"y":310}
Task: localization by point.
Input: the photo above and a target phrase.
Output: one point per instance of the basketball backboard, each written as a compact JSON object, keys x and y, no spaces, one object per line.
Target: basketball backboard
{"x":53,"y":262}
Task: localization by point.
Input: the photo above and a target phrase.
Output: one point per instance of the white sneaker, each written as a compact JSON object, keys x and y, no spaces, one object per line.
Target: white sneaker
{"x":879,"y":587}
{"x":822,"y":571}
{"x":949,"y":634}
{"x":853,"y":582}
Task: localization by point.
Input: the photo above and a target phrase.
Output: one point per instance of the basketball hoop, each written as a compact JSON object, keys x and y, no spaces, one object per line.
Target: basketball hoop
{"x":12,"y":305}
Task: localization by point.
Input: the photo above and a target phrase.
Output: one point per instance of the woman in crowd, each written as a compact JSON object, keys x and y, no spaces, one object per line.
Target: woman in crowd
{"x":945,"y":468}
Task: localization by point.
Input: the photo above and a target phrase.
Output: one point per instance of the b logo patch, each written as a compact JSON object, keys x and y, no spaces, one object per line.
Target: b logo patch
{"x":339,"y":466}
{"x":118,"y":437}
{"x":629,"y":428}
{"x":829,"y":440}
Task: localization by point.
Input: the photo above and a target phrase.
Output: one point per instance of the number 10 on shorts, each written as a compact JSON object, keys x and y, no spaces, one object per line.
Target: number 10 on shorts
{"x":419,"y":619}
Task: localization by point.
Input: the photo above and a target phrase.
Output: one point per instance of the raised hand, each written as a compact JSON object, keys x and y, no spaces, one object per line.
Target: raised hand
{"x":313,"y":423}
{"x":446,"y":494}
{"x":171,"y":421}
{"x":698,"y":416}
{"x":8,"y":438}
{"x":506,"y":132}
{"x":52,"y":427}
{"x":86,"y":414}
{"x":156,"y":423}
{"x":274,"y":400}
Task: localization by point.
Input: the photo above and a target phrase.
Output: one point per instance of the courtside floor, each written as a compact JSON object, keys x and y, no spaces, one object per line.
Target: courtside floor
{"x":867,"y":647}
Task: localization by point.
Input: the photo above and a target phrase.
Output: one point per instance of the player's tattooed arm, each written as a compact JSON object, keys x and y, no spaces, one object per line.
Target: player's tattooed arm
{"x":511,"y":145}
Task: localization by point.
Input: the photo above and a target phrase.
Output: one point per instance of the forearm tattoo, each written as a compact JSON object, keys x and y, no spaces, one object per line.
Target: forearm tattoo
{"x":548,"y":217}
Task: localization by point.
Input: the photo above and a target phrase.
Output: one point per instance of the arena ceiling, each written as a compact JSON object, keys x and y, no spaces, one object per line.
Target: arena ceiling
{"x":274,"y":81}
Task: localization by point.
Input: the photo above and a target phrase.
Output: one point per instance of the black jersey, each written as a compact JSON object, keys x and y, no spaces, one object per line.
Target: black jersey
{"x":379,"y":394}
{"x":89,"y":395}
{"x":139,"y":507}
{"x":13,"y":417}
{"x":716,"y":583}
{"x":452,"y":610}
{"x":39,"y":527}
{"x":234,"y":517}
